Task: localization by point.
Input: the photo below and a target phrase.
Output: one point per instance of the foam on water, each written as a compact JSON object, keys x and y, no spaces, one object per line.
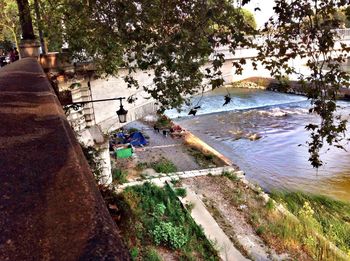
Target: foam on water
{"x":279,"y":159}
{"x":241,"y":100}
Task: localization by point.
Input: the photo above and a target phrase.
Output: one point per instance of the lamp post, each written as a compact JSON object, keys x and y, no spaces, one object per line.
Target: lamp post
{"x":121,"y":112}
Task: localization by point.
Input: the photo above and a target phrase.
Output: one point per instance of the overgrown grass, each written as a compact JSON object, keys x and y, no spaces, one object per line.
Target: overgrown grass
{"x":317,"y":224}
{"x":328,"y":217}
{"x":150,"y":216}
{"x":230,"y":175}
{"x":204,"y":160}
{"x":164,"y":166}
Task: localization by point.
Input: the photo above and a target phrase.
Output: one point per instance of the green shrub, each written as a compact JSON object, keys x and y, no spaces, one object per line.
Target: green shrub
{"x":164,"y":166}
{"x":181,"y":192}
{"x":134,"y":253}
{"x":159,"y":210}
{"x":119,"y":176}
{"x":169,"y":235}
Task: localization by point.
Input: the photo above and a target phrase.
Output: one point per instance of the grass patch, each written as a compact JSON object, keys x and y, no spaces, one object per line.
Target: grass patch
{"x":317,"y":221}
{"x":151,"y":255}
{"x":205,"y":160}
{"x":141,"y":166}
{"x":181,"y":192}
{"x":230,"y":175}
{"x":164,"y":166}
{"x":328,"y":217}
{"x":119,"y":176}
{"x":151,"y":217}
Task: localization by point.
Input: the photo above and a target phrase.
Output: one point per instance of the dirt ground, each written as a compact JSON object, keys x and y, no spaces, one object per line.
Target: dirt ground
{"x":227,"y":202}
{"x":159,"y":147}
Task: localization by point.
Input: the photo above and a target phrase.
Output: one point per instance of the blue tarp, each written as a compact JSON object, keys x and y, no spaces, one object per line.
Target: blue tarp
{"x":136,"y":139}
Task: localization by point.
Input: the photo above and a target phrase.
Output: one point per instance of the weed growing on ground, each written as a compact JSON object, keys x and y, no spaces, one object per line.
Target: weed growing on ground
{"x":141,"y":166}
{"x":270,"y":205}
{"x":205,"y":160}
{"x":175,"y":182}
{"x":153,"y":216}
{"x":119,"y":176}
{"x":181,"y":192}
{"x":328,"y":217}
{"x":151,"y":255}
{"x":190,"y":206}
{"x":164,"y":166}
{"x":317,"y":221}
{"x":230,"y":175}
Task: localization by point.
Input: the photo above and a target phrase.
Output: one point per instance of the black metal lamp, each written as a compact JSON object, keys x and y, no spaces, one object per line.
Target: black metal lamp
{"x":122,"y":113}
{"x":77,"y":105}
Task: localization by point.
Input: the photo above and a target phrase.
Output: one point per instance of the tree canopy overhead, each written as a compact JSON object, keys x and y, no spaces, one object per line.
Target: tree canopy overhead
{"x":9,"y":22}
{"x":304,"y":29}
{"x":172,"y":39}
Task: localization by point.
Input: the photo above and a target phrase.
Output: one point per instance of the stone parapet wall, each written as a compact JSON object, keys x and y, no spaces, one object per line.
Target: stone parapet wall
{"x":51,"y":208}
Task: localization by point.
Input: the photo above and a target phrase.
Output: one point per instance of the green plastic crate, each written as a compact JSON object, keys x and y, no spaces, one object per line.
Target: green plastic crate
{"x":123,"y":153}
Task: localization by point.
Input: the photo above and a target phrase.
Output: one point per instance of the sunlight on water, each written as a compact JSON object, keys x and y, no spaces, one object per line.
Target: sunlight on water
{"x":279,"y":159}
{"x":242,"y":99}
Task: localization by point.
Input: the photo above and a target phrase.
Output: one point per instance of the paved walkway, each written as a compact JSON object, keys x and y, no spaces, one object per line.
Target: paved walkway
{"x":163,"y":178}
{"x":201,"y":216}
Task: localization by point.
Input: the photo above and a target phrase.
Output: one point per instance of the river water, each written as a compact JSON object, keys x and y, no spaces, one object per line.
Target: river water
{"x":279,"y":159}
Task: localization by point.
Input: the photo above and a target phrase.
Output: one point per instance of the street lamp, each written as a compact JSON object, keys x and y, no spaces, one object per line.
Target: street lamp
{"x":121,"y":112}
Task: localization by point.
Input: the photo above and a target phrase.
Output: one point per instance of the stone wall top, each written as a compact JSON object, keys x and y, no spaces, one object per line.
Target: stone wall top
{"x":50,"y":206}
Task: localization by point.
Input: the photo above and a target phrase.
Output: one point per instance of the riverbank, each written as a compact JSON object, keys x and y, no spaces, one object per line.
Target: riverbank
{"x":284,"y":86}
{"x":264,"y":229}
{"x":261,"y":228}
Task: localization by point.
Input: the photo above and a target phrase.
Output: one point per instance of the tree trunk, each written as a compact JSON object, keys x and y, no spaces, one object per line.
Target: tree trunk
{"x":25,"y":20}
{"x":38,"y":18}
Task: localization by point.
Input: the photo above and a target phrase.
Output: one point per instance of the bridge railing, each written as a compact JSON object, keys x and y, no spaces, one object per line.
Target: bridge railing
{"x":343,"y":33}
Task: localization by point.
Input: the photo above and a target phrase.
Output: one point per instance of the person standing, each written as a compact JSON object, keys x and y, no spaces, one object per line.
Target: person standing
{"x":12,"y":55}
{"x":16,"y":54}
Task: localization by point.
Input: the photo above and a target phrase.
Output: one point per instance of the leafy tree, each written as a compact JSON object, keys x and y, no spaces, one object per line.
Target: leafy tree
{"x":304,"y":29}
{"x":9,"y":23}
{"x":172,"y":40}
{"x":249,"y":18}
